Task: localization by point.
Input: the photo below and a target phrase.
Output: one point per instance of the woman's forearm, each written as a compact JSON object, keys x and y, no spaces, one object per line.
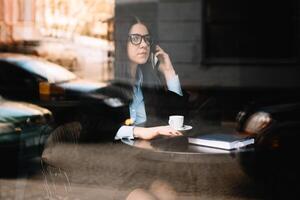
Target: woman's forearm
{"x":144,"y":133}
{"x":169,"y":74}
{"x":152,"y":132}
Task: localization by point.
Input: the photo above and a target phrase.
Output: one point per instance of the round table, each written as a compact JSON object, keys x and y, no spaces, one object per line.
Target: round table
{"x":180,"y":150}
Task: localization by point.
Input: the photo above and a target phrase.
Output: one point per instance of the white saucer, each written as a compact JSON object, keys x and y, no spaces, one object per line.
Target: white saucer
{"x":184,"y":128}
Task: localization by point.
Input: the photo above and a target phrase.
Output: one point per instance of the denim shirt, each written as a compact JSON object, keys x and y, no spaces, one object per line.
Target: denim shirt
{"x":137,"y":107}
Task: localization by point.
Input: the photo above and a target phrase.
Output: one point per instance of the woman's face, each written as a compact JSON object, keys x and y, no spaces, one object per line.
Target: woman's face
{"x":138,"y":53}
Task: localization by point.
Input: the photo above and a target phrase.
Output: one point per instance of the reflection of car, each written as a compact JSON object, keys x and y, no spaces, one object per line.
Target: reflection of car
{"x":266,"y":120}
{"x":37,"y":81}
{"x":29,"y":77}
{"x":24,"y":128}
{"x":276,"y":128}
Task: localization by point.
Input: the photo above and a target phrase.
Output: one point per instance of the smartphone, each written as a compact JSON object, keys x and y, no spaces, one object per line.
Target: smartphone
{"x":154,"y":61}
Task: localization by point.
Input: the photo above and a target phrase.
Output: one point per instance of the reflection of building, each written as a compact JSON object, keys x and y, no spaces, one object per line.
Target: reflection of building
{"x":17,"y":20}
{"x":63,"y":18}
{"x":66,"y":31}
{"x":26,"y":19}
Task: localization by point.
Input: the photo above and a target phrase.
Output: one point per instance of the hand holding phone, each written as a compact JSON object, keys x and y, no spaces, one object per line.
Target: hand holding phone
{"x":162,"y":62}
{"x":154,"y":61}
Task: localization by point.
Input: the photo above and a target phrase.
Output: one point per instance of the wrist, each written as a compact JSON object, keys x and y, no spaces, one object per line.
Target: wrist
{"x":135,"y":132}
{"x":169,"y":74}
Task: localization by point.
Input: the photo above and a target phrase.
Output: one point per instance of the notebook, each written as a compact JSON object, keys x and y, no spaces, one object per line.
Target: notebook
{"x":222,"y":141}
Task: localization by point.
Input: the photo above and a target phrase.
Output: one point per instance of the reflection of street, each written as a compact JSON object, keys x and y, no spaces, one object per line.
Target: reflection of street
{"x":72,"y":170}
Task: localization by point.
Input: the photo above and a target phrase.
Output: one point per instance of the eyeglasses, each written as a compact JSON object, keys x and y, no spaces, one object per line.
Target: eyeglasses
{"x":136,"y":39}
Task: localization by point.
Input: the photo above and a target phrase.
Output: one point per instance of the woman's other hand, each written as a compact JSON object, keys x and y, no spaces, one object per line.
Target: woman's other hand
{"x":152,"y":132}
{"x":165,"y":64}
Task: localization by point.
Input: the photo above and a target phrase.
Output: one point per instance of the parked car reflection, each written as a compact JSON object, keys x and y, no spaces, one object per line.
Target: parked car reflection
{"x":30,"y":77}
{"x":265,"y":121}
{"x":276,"y":128}
{"x":35,"y":80}
{"x":24,"y":128}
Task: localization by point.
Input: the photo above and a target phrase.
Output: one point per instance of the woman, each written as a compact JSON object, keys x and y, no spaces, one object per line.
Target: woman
{"x":137,"y":70}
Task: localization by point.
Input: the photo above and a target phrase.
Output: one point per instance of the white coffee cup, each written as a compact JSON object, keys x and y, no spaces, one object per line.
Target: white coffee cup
{"x":176,"y":121}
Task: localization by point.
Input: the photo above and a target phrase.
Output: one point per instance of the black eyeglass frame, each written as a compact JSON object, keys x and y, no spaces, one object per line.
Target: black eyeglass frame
{"x":149,"y":42}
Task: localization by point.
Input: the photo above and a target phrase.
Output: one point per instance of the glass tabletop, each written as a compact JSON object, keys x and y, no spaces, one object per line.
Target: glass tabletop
{"x":178,"y":145}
